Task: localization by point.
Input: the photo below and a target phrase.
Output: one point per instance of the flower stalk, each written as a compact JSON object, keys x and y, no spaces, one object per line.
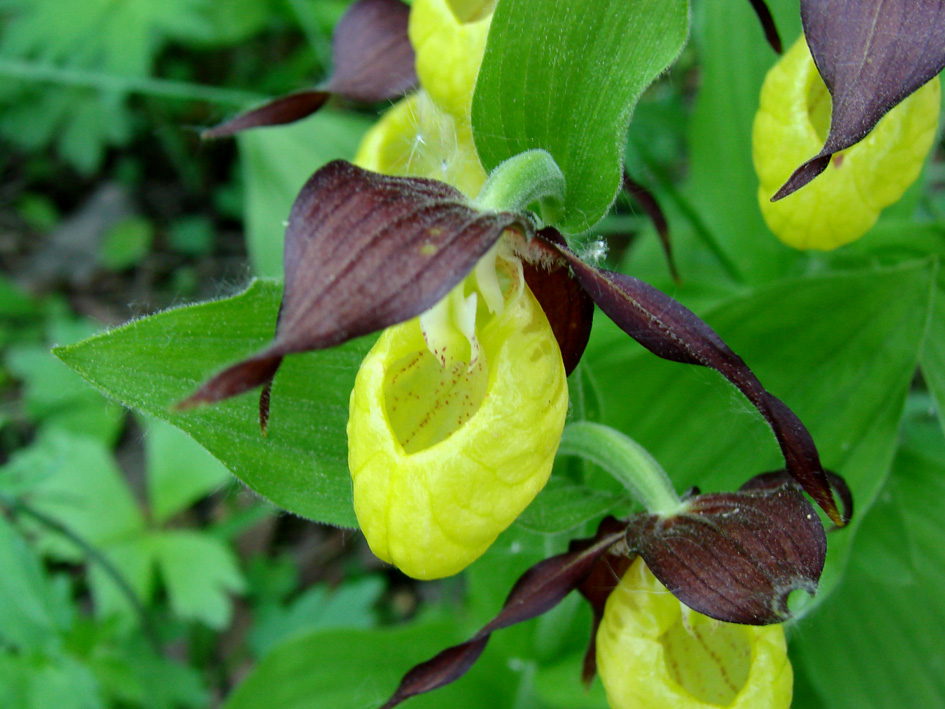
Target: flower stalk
{"x":529,"y":177}
{"x":626,"y":460}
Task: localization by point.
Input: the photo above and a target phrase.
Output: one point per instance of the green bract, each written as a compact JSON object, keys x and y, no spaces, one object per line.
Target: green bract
{"x":844,"y":202}
{"x":446,"y":450}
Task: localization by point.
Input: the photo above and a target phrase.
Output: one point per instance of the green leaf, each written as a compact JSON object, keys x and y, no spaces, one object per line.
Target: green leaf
{"x":840,"y":350}
{"x":565,"y":77}
{"x":55,"y":396}
{"x":133,"y":559}
{"x":351,"y":606}
{"x":340,"y":668}
{"x":276,"y":163}
{"x":71,"y":479}
{"x":40,"y":681}
{"x":180,"y":470}
{"x":235,"y":20}
{"x":30,"y":616}
{"x":117,"y":37}
{"x":889,"y":610}
{"x":151,"y":364}
{"x":563,"y":506}
{"x":933,"y":354}
{"x":199,"y":573}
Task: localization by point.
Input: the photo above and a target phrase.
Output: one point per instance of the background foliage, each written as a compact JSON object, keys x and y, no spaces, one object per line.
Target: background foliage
{"x":137,"y":573}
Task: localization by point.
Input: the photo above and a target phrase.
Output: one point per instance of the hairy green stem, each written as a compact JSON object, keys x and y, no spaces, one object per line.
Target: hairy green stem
{"x":532,"y":176}
{"x":626,"y":460}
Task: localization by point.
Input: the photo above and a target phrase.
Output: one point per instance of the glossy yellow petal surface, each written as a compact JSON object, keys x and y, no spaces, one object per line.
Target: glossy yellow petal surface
{"x":653,"y":653}
{"x":416,"y":139}
{"x":844,"y":202}
{"x":443,"y":459}
{"x":449,"y":51}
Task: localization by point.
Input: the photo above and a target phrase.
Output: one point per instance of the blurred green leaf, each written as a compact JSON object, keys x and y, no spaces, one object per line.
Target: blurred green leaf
{"x":271,"y":580}
{"x":32,"y":613}
{"x":890,"y":241}
{"x":121,"y":37}
{"x":933,"y":355}
{"x":199,"y":573}
{"x":357,"y":668}
{"x":39,"y":211}
{"x":127,"y":243}
{"x":180,"y":470}
{"x":133,"y":559}
{"x":56,"y":397}
{"x":70,"y":479}
{"x":159,"y":683}
{"x":152,"y":363}
{"x":192,"y":236}
{"x":551,"y":66}
{"x":40,"y":682}
{"x":13,"y":302}
{"x":117,"y":37}
{"x":276,"y":163}
{"x":350,"y":606}
{"x":233,"y":21}
{"x":889,"y":610}
{"x":723,"y":187}
{"x":559,"y":685}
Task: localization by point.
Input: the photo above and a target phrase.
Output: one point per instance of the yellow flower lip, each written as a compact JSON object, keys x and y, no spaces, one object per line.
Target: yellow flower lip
{"x":444,"y":458}
{"x":845,"y":201}
{"x":653,"y":652}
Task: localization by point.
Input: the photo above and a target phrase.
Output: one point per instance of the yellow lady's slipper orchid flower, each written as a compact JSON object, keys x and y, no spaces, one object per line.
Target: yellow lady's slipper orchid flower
{"x":448,"y":445}
{"x":845,"y":201}
{"x":653,"y":652}
{"x":455,"y":416}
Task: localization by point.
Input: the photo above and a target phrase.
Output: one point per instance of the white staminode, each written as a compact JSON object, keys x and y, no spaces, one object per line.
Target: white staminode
{"x":449,"y":327}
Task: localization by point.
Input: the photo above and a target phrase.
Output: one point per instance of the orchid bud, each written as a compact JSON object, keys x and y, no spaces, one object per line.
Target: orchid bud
{"x":653,"y":652}
{"x":454,"y":422}
{"x":844,"y":202}
{"x":449,"y":50}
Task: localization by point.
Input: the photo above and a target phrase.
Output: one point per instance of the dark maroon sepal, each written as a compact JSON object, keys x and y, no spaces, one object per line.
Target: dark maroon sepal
{"x":280,"y":111}
{"x":364,"y":251}
{"x":372,"y":55}
{"x":767,"y":24}
{"x":779,"y":478}
{"x":538,"y":590}
{"x":735,"y":556}
{"x":668,"y":329}
{"x":871,"y":55}
{"x":373,"y":61}
{"x":596,"y":589}
{"x":236,"y":379}
{"x":568,"y":307}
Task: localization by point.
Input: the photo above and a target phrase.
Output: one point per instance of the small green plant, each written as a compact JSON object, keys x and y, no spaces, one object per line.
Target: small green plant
{"x":429,"y":372}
